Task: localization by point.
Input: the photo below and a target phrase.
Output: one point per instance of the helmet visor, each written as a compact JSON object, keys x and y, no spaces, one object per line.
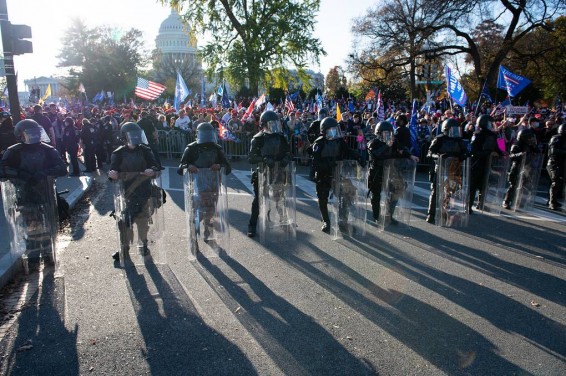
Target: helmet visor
{"x":136,"y":137}
{"x":333,"y":133}
{"x":273,"y":126}
{"x":454,"y":132}
{"x":207,"y":135}
{"x":35,"y":135}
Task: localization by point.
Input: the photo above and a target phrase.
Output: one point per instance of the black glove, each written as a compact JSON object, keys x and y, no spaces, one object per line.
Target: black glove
{"x":269,"y":161}
{"x":181,"y":170}
{"x":284,"y":162}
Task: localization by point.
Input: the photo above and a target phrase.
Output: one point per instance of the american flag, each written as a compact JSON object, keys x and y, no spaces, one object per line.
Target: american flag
{"x":289,"y":104}
{"x":148,"y":90}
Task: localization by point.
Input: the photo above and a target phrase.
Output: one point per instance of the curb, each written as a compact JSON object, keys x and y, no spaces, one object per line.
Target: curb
{"x":74,"y":196}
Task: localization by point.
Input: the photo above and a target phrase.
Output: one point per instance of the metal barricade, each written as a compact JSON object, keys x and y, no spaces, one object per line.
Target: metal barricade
{"x":237,"y":146}
{"x":162,"y":143}
{"x":300,"y":149}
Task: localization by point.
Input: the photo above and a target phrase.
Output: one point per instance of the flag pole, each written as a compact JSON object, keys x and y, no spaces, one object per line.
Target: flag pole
{"x":479,"y":99}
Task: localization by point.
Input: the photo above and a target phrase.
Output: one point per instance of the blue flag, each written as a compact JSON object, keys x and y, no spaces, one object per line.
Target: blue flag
{"x":485,"y":94}
{"x":225,"y":99}
{"x":413,"y":128}
{"x":455,"y":90}
{"x":181,"y":92}
{"x":511,"y":82}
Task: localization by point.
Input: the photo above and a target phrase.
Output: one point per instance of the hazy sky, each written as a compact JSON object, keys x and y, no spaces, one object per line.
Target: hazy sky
{"x":49,"y":20}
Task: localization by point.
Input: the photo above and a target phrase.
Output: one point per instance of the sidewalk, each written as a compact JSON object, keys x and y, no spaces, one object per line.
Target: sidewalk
{"x":77,"y":186}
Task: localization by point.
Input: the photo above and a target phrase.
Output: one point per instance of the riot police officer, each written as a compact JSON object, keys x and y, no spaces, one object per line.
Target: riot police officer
{"x":89,"y":138}
{"x":205,"y":153}
{"x":70,"y":142}
{"x":382,"y":148}
{"x":556,"y":166}
{"x":449,"y":143}
{"x":134,"y":163}
{"x":267,"y":147}
{"x":484,"y":144}
{"x":328,"y":149}
{"x":313,"y":132}
{"x":525,"y":147}
{"x":28,"y":164}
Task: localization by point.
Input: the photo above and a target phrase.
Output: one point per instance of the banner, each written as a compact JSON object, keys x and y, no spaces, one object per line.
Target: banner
{"x":511,"y":82}
{"x":455,"y":90}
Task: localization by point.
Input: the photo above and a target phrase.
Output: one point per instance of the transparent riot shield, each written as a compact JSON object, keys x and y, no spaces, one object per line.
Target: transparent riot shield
{"x":493,"y":187}
{"x":138,"y":206}
{"x":31,"y":213}
{"x":348,"y":199}
{"x":397,"y":192}
{"x":453,"y":192}
{"x":527,"y":183}
{"x":277,"y":216}
{"x":206,"y":209}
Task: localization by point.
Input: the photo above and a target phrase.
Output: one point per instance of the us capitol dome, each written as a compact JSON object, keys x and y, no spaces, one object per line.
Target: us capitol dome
{"x":176,"y":40}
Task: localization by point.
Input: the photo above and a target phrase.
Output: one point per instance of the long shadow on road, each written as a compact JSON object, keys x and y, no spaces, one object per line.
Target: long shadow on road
{"x":436,"y":336}
{"x":292,"y":339}
{"x":177,"y":340}
{"x":43,"y":345}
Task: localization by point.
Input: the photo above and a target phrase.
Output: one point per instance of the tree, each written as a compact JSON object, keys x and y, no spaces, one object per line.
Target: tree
{"x":165,"y":69}
{"x":520,"y":17}
{"x":101,"y":58}
{"x":251,"y":38}
{"x":395,"y":34}
{"x":335,"y":80}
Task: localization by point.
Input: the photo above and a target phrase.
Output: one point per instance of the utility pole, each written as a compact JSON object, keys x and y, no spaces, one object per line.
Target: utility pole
{"x":14,"y":43}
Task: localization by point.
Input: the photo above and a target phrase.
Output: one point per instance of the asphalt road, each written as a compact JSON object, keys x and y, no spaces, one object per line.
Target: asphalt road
{"x":489,"y":299}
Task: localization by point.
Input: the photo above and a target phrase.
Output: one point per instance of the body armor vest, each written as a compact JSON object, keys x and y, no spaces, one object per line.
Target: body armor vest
{"x":450,"y":146}
{"x":271,"y":146}
{"x":331,"y":149}
{"x":207,"y":156}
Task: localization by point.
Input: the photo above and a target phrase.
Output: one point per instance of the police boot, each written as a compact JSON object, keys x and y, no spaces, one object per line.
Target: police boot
{"x":251,"y":230}
{"x":323,"y":206}
{"x":143,"y":249}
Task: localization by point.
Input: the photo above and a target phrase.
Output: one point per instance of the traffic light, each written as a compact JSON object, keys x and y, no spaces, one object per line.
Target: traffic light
{"x":19,"y":43}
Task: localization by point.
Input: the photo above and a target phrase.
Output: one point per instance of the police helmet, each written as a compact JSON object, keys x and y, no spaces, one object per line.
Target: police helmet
{"x":451,"y":128}
{"x":30,"y":132}
{"x":526,"y":135}
{"x":322,"y":113}
{"x":269,"y":120}
{"x":384,"y":131}
{"x":562,"y":129}
{"x":485,"y":122}
{"x":206,"y":133}
{"x":330,"y":128}
{"x":133,"y":134}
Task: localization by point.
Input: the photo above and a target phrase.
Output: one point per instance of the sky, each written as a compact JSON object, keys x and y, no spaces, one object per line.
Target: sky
{"x":50,"y":19}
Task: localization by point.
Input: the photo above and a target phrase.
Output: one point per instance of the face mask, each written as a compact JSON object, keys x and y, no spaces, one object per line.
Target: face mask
{"x":535,"y":125}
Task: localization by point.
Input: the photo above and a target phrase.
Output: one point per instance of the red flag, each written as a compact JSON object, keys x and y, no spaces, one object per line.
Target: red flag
{"x":249,"y":110}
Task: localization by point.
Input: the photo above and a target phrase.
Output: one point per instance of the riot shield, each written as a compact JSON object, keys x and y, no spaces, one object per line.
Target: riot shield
{"x":493,"y":187}
{"x":348,"y":199}
{"x":206,"y":210}
{"x":452,"y":192}
{"x":527,"y":183}
{"x":277,"y":216}
{"x":31,"y":213}
{"x":138,"y":206}
{"x":397,"y":192}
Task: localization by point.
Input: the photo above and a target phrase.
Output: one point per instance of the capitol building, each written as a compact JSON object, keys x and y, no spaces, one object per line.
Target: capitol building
{"x":176,"y":50}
